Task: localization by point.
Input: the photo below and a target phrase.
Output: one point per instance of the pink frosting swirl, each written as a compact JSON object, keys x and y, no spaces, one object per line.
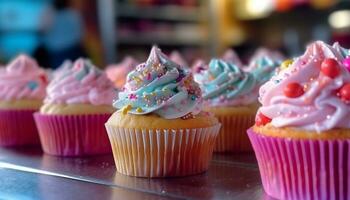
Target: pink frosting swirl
{"x":22,"y":79}
{"x":117,"y":72}
{"x":82,"y":83}
{"x":176,"y":57}
{"x":319,"y":107}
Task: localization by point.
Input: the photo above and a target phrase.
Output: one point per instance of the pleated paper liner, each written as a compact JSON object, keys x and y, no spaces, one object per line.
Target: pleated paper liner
{"x":73,"y":135}
{"x":162,"y":153}
{"x":303,"y":169}
{"x":17,"y":128}
{"x":233,"y":133}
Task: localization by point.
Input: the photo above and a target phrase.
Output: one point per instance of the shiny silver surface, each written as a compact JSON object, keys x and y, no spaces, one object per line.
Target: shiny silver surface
{"x":33,"y":173}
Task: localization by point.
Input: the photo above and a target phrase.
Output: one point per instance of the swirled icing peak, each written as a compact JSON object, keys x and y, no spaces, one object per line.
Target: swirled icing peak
{"x":176,"y":57}
{"x":232,"y":57}
{"x":313,"y":93}
{"x":82,"y":83}
{"x":117,"y":72}
{"x":225,"y":84}
{"x":263,"y":68}
{"x":22,"y":79}
{"x":162,"y":87}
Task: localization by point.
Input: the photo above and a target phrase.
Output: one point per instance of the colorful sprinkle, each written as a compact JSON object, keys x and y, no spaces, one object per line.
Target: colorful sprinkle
{"x":285,"y":64}
{"x":139,"y":110}
{"x":126,"y":109}
{"x":32,"y":85}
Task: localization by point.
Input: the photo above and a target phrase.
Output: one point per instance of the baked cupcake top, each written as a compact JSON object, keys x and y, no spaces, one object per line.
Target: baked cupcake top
{"x":21,"y":79}
{"x":312,"y":93}
{"x":160,"y":86}
{"x":225,"y":84}
{"x":82,"y":83}
{"x":176,"y":57}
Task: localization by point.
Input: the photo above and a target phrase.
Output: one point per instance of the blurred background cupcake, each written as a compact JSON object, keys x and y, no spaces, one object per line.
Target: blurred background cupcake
{"x":159,"y":129}
{"x":232,"y":95}
{"x":78,"y":103}
{"x":22,"y":90}
{"x":117,"y":73}
{"x":301,"y":134}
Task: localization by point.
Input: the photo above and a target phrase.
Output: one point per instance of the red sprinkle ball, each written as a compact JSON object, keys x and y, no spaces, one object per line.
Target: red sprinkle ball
{"x":293,"y":90}
{"x":261,"y":119}
{"x":344,"y":92}
{"x":330,"y":68}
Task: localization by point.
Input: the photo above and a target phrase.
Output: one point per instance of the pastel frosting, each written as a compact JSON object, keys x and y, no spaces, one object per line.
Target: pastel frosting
{"x":66,"y":65}
{"x":161,"y":87}
{"x":225,"y":84}
{"x":176,"y":57}
{"x":22,"y":79}
{"x":82,"y":83}
{"x":232,"y":57}
{"x":315,"y":101}
{"x":117,"y":72}
{"x":263,"y":68}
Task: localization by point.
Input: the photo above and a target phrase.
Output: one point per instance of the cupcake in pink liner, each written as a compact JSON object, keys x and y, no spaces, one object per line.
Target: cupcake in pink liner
{"x":301,"y":135}
{"x":78,"y":103}
{"x":176,"y":57}
{"x":22,"y":90}
{"x":117,"y":72}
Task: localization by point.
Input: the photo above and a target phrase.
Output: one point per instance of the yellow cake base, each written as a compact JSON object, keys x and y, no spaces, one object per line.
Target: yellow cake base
{"x":24,"y":104}
{"x":153,"y":121}
{"x":75,"y":109}
{"x":295,"y":133}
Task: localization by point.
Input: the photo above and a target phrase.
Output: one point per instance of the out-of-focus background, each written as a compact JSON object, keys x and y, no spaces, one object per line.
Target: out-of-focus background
{"x":108,"y":30}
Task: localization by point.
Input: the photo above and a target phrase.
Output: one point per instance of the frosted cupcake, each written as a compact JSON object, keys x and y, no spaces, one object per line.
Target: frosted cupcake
{"x":117,"y":73}
{"x":301,"y":135}
{"x":22,"y":90}
{"x":232,"y":95}
{"x":159,"y":129}
{"x":78,"y":103}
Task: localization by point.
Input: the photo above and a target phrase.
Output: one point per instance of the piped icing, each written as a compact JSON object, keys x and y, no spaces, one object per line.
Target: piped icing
{"x":232,"y":57}
{"x":176,"y":57}
{"x":22,"y":79}
{"x":160,"y":86}
{"x":117,"y":72}
{"x":263,"y":68}
{"x":312,"y":93}
{"x":82,"y":83}
{"x":66,"y":65}
{"x":225,"y":84}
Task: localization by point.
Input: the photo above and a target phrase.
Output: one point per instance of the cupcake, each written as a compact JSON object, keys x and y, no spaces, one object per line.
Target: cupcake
{"x":78,"y":103}
{"x":117,"y":72}
{"x":67,"y":64}
{"x":159,"y":129}
{"x":176,"y":57}
{"x":22,"y":90}
{"x":301,"y":135}
{"x":232,"y":95}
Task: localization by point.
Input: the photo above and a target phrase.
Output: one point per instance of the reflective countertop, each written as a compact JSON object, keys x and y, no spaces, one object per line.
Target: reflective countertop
{"x":28,"y":173}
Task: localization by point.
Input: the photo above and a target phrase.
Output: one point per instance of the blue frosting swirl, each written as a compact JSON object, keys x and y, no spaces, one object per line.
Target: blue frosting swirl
{"x":160,"y":86}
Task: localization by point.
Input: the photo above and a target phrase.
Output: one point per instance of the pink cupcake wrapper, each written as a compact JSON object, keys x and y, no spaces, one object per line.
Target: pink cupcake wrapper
{"x":303,"y":169}
{"x":162,"y":153}
{"x":17,"y":128}
{"x":73,"y":135}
